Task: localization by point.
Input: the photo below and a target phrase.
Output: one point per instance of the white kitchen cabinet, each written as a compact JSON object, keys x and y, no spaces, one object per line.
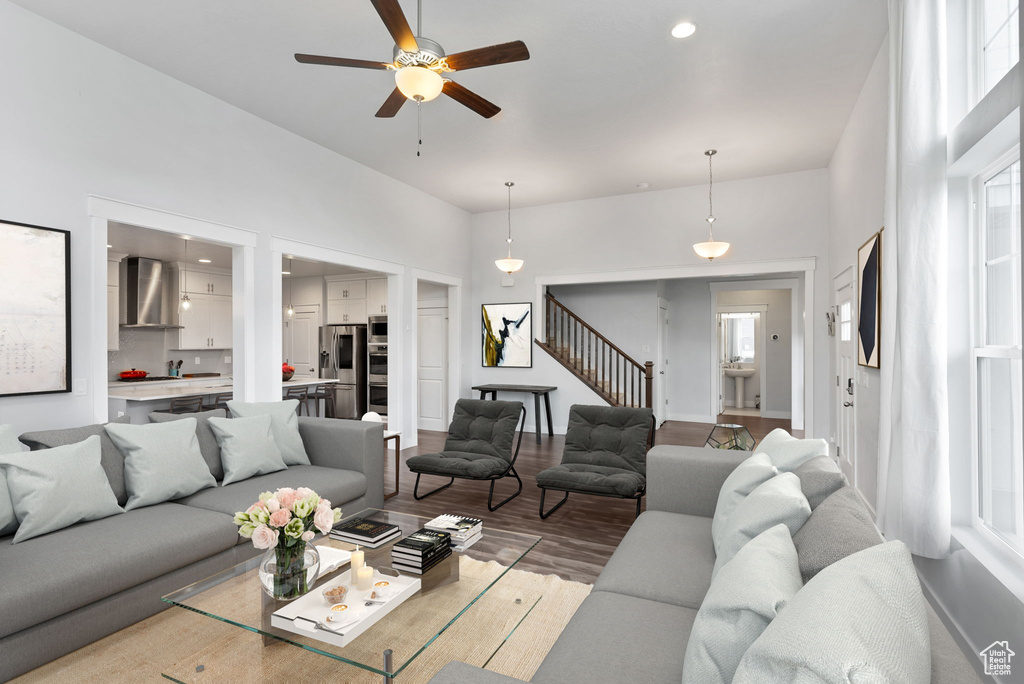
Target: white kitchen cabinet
{"x":376,"y":297}
{"x":113,"y":317}
{"x":113,"y":273}
{"x":202,"y":282}
{"x":207,"y":324}
{"x":346,"y":289}
{"x":220,"y":323}
{"x":342,"y":311}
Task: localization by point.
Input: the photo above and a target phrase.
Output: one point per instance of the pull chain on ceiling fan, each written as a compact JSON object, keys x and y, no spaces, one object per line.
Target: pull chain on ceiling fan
{"x":419,"y":63}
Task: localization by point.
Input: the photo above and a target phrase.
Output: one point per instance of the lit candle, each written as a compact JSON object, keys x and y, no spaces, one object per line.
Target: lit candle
{"x":357,"y":560}
{"x":364,"y":578}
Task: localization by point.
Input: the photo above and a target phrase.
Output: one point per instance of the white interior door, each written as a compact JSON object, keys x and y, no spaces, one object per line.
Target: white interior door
{"x":432,"y":370}
{"x":846,"y":366}
{"x":301,"y":342}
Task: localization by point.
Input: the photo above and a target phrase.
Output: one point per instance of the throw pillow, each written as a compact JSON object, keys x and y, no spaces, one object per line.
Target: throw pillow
{"x":247,"y":447}
{"x":161,"y":461}
{"x":741,"y":482}
{"x":788,"y":452}
{"x":779,"y":500}
{"x":54,"y":488}
{"x":736,"y":610}
{"x":9,"y":444}
{"x":839,"y":527}
{"x":284,"y":423}
{"x":819,"y":477}
{"x":207,"y":440}
{"x":862,"y":619}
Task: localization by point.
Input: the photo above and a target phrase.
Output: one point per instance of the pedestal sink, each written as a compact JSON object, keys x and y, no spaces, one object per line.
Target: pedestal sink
{"x":739,"y":374}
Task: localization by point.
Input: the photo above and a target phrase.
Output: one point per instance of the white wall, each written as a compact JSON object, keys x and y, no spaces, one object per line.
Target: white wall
{"x":775,"y":217}
{"x":777,"y":357}
{"x":81,"y":119}
{"x":625,"y":313}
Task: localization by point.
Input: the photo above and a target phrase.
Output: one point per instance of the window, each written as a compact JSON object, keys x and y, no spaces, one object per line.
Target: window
{"x":996,"y":358}
{"x":998,"y":28}
{"x":846,"y":321}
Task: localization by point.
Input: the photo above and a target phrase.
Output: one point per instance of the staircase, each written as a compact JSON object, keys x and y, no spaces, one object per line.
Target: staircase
{"x":600,"y":365}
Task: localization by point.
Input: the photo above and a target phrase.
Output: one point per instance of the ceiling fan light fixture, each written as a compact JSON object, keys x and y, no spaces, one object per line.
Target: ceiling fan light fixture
{"x":418,"y":83}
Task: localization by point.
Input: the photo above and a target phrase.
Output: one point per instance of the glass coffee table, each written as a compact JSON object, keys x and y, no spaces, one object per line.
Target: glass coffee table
{"x":462,"y":608}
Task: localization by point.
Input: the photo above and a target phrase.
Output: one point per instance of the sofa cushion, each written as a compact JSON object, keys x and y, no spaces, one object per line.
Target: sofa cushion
{"x":616,"y":638}
{"x":337,"y":486}
{"x":610,"y":436}
{"x":457,"y":463}
{"x":247,"y":447}
{"x":779,"y":500}
{"x":284,"y":422}
{"x":736,"y":610}
{"x":207,"y":440}
{"x":863,"y":619}
{"x":54,"y":488}
{"x":487,"y":428}
{"x":788,"y":452}
{"x":592,"y":478}
{"x":819,"y":477}
{"x":78,"y":565}
{"x":838,"y":527}
{"x":9,"y":444}
{"x":110,"y":457}
{"x":161,"y":461}
{"x":664,"y":557}
{"x":747,"y":477}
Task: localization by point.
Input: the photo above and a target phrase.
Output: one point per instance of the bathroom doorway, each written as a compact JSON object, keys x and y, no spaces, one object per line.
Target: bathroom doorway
{"x":741,"y":351}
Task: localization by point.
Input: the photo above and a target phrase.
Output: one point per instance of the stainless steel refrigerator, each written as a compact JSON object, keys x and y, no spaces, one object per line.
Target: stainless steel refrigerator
{"x":343,"y":358}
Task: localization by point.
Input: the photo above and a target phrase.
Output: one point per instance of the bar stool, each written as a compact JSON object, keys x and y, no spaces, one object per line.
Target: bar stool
{"x":300,"y":393}
{"x":219,"y":401}
{"x":322,"y":392}
{"x":186,"y":405}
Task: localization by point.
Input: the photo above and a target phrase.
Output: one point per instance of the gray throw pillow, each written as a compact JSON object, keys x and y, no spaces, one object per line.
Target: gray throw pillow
{"x":110,"y":457}
{"x":840,"y":526}
{"x":779,"y":500}
{"x":736,"y":610}
{"x":819,"y":477}
{"x":9,"y":444}
{"x":247,"y":447}
{"x":744,"y":479}
{"x":788,"y":452}
{"x":161,"y":461}
{"x":208,"y":445}
{"x":862,"y":619}
{"x":54,"y":488}
{"x":285,"y":425}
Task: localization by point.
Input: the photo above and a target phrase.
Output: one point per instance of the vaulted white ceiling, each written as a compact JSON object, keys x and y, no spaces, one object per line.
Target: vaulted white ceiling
{"x":607,"y":100}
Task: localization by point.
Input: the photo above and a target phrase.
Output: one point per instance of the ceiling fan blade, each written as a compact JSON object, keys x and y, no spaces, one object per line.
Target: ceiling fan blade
{"x":470,"y":99}
{"x":339,"y":61}
{"x":391,"y":105}
{"x":496,"y":54}
{"x":394,"y":19}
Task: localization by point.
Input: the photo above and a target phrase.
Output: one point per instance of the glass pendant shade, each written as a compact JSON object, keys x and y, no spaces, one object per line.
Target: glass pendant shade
{"x":711,"y":249}
{"x":419,"y":83}
{"x":509,"y":265}
{"x":186,"y":303}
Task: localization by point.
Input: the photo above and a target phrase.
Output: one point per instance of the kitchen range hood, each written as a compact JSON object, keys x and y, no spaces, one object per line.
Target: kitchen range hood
{"x":145,"y":295}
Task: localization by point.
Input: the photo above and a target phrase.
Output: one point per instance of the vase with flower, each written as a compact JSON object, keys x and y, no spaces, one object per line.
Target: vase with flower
{"x":283,"y":522}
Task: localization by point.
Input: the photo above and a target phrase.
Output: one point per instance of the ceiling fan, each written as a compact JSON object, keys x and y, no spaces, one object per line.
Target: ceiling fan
{"x":420,"y":62}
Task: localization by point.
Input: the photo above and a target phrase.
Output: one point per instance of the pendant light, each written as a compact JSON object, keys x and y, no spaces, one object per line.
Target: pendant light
{"x":508,"y":264}
{"x":185,"y":303}
{"x":711,"y":248}
{"x":290,"y":311}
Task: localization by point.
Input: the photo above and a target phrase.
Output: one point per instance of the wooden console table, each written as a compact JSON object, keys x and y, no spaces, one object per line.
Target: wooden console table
{"x":536,"y":390}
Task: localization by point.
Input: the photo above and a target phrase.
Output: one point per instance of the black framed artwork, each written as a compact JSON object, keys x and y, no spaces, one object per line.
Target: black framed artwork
{"x":869,"y":294}
{"x":506,"y":335}
{"x":35,"y":309}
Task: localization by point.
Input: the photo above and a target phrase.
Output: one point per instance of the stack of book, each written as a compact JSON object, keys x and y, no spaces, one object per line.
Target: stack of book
{"x":421,"y":551}
{"x":368,"y":533}
{"x":464,"y":531}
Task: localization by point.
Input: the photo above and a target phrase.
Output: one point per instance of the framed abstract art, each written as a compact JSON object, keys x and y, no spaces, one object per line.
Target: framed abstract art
{"x":869,"y":294}
{"x":506,"y":335}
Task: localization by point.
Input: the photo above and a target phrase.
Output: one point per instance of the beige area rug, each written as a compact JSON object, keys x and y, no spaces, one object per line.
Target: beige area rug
{"x":498,"y":632}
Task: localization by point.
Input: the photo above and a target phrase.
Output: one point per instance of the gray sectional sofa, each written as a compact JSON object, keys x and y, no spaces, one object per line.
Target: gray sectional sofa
{"x":635,"y":625}
{"x":65,"y":589}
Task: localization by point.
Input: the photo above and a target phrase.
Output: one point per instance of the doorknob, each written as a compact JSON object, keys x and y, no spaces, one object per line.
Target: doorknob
{"x":847,"y":403}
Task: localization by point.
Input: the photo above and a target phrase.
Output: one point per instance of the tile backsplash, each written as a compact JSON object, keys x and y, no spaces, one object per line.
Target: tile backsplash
{"x":150,"y":350}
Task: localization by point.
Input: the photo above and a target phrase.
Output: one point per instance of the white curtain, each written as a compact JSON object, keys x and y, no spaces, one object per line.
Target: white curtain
{"x":913,"y":450}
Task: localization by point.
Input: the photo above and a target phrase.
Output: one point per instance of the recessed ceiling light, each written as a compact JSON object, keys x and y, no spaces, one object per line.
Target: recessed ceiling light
{"x":110,"y":246}
{"x":205,"y":261}
{"x":684,"y":29}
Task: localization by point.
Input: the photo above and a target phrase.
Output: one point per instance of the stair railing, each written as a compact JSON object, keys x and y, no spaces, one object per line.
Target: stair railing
{"x":621,"y":379}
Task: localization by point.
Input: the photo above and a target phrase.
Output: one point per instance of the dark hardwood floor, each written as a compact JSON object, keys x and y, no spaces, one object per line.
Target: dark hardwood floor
{"x":579,"y":538}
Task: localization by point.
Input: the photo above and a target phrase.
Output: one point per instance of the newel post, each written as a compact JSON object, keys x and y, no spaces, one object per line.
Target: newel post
{"x":649,"y":385}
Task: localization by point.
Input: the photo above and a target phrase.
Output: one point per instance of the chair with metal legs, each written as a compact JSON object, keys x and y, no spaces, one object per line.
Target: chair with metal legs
{"x":326,"y":393}
{"x":302,"y":395}
{"x":479,"y":447}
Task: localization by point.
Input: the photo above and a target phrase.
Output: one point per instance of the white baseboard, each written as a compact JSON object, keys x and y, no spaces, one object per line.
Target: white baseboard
{"x":782,"y":415}
{"x":691,"y":418}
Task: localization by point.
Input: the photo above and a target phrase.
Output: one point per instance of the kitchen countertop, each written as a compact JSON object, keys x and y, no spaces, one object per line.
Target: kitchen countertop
{"x":164,"y":390}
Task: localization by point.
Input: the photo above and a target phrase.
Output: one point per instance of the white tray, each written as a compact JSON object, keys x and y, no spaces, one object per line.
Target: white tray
{"x":305,"y":615}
